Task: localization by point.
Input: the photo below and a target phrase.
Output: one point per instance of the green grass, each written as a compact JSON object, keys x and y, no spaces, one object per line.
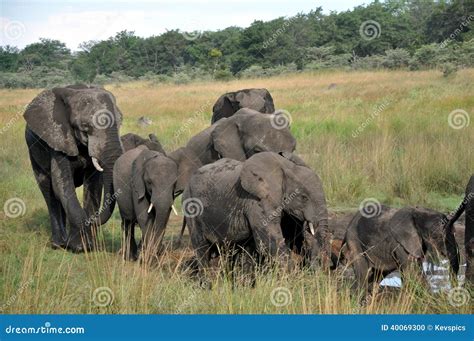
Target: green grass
{"x":407,"y":154}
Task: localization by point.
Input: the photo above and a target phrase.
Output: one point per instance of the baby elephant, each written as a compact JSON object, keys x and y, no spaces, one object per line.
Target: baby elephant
{"x":130,"y":141}
{"x":271,"y":202}
{"x":144,"y":180}
{"x":395,"y":239}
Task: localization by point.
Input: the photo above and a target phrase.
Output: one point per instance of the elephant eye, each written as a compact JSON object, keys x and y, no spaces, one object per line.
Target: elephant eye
{"x":304,"y":198}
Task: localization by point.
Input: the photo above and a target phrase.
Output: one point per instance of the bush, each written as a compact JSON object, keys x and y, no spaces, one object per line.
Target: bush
{"x":396,"y":58}
{"x":449,"y":69}
{"x":223,"y":75}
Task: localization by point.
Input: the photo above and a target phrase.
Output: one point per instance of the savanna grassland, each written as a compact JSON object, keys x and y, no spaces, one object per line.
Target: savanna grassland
{"x":382,"y":135}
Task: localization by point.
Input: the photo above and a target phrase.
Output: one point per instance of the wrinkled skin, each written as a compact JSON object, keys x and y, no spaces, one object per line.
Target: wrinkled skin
{"x":143,"y":177}
{"x":130,"y":141}
{"x":396,"y":239}
{"x":338,"y":226}
{"x":257,"y":202}
{"x":467,"y":205}
{"x":228,"y":104}
{"x":64,"y":138}
{"x":237,"y":137}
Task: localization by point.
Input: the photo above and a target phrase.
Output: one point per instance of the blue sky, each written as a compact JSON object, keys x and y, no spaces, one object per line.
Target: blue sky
{"x":71,"y":21}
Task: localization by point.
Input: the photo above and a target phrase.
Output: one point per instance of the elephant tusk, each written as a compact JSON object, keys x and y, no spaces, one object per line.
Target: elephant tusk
{"x":311,"y":228}
{"x":174,"y":210}
{"x":150,"y":207}
{"x":96,"y":164}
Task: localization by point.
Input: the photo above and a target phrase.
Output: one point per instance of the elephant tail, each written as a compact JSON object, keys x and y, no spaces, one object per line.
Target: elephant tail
{"x":183,"y":227}
{"x":458,"y":213}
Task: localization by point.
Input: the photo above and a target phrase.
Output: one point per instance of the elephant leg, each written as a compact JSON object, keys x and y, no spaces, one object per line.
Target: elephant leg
{"x":469,"y":242}
{"x":202,"y":249}
{"x":92,"y":192}
{"x":63,"y":186}
{"x":56,"y":212}
{"x":129,"y":245}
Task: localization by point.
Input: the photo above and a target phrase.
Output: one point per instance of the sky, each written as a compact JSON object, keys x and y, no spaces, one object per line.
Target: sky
{"x":23,"y":22}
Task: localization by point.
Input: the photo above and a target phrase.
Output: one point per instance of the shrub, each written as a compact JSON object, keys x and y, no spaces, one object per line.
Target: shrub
{"x":223,"y":75}
{"x":396,"y":58}
{"x":449,"y":69}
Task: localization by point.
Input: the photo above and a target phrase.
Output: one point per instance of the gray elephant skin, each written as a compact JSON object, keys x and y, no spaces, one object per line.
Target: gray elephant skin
{"x":229,"y":103}
{"x":145,"y":181}
{"x":131,"y":140}
{"x":467,"y":206}
{"x":237,"y":137}
{"x":72,"y":135}
{"x":395,"y":239}
{"x":271,"y":203}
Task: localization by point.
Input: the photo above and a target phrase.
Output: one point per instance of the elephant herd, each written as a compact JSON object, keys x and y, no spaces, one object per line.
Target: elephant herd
{"x":241,"y":182}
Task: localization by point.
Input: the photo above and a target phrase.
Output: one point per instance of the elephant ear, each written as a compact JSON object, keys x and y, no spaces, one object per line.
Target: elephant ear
{"x":262,"y":176}
{"x":294,"y":158}
{"x":48,"y":117}
{"x":138,"y":170}
{"x":222,"y":108}
{"x":227,"y":141}
{"x":404,"y":230}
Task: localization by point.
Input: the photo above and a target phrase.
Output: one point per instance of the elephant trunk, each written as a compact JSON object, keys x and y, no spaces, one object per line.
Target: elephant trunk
{"x":107,"y":157}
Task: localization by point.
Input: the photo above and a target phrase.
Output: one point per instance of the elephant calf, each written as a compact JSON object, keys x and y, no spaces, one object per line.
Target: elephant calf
{"x":395,"y":239}
{"x":130,"y":141}
{"x":145,"y":181}
{"x":272,"y":202}
{"x":228,"y":104}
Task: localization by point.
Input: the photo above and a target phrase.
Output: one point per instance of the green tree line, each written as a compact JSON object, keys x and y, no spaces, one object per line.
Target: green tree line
{"x":390,"y":34}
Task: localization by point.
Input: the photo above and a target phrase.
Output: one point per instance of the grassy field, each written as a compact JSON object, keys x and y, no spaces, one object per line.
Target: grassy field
{"x":383,"y":135}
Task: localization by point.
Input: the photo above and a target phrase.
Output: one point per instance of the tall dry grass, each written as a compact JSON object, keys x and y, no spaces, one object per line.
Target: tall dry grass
{"x":406,"y":154}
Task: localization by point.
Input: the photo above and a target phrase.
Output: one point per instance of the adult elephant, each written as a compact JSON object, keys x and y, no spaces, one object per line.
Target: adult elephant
{"x":72,"y":135}
{"x":467,"y":206}
{"x":271,"y":202}
{"x":237,"y":137}
{"x":395,"y":239}
{"x":145,"y":180}
{"x":228,"y":104}
{"x":130,"y":141}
